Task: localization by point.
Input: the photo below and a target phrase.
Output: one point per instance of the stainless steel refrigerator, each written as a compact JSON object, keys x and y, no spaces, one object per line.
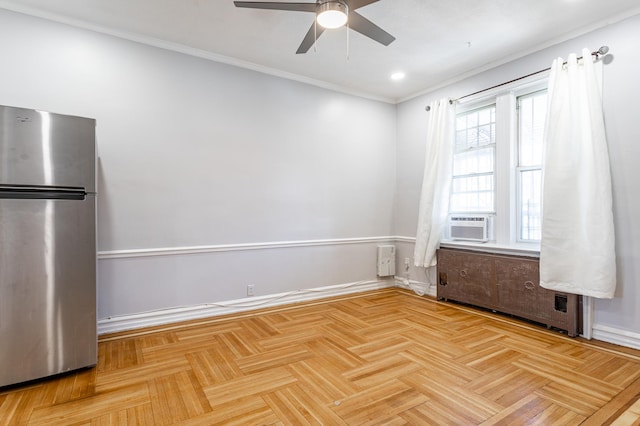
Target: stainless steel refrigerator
{"x":47,"y":244}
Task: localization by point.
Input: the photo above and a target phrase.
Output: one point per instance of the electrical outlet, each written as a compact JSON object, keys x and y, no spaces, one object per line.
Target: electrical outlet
{"x":406,"y":263}
{"x":250,"y":290}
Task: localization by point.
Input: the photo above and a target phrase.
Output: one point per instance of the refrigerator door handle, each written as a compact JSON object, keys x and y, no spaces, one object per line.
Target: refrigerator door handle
{"x":40,"y":193}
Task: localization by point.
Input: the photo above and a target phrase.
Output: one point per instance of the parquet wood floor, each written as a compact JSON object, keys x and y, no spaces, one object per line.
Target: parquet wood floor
{"x":384,"y":357}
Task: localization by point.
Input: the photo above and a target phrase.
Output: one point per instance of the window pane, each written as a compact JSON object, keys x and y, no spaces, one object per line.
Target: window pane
{"x":475,"y":129}
{"x":532,"y":114}
{"x":485,"y":116}
{"x":486,"y":134}
{"x":472,"y":194}
{"x":530,"y":204}
{"x":474,"y":162}
{"x":532,"y":110}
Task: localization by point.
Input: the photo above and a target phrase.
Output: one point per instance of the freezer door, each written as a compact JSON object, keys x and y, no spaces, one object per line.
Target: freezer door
{"x":45,"y":149}
{"x":47,"y":287}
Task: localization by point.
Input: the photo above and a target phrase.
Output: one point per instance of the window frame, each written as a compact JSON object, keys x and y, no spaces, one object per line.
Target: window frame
{"x":505,"y":217}
{"x":519,"y":202}
{"x":530,"y":92}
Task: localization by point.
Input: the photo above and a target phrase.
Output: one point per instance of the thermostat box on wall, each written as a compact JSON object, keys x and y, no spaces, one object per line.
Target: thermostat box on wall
{"x":386,"y":260}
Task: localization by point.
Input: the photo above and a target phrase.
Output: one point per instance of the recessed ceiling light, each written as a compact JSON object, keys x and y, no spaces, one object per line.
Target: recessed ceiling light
{"x":397,"y":76}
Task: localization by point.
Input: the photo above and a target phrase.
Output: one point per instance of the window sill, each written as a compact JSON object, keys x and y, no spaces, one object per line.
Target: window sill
{"x":517,"y":249}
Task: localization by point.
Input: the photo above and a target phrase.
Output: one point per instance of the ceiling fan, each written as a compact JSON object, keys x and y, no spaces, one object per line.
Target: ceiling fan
{"x":329,"y":14}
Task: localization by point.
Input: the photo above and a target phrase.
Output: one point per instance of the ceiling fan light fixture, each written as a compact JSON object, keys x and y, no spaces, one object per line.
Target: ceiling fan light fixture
{"x":332,"y":14}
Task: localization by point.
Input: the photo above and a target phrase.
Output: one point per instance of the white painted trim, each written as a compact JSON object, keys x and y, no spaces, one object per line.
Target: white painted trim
{"x":616,"y":336}
{"x":187,"y":50}
{"x":587,"y":317}
{"x":401,"y":239}
{"x":515,"y":249}
{"x":524,"y":53}
{"x":170,"y":251}
{"x":200,"y":53}
{"x":519,"y":249}
{"x":186,"y":313}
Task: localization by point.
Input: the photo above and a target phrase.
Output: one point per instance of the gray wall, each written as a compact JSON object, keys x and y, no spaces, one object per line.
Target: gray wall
{"x":621,"y":92}
{"x":196,"y":153}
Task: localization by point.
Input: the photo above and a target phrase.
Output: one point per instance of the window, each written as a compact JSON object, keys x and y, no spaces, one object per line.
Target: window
{"x":532,"y":110}
{"x":497,"y":163}
{"x":472,"y":187}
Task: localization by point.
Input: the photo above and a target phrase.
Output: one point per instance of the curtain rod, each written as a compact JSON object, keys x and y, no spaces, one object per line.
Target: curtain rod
{"x":602,"y":51}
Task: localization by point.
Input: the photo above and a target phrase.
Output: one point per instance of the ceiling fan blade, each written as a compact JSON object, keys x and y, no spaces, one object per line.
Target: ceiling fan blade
{"x":296,"y":7}
{"x":356,"y":4}
{"x":367,"y":28}
{"x":312,"y":35}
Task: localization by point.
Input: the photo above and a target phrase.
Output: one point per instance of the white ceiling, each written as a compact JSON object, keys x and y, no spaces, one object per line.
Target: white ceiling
{"x":437,"y":41}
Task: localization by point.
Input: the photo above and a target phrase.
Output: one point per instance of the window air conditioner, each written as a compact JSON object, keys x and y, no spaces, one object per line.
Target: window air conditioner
{"x":469,"y":227}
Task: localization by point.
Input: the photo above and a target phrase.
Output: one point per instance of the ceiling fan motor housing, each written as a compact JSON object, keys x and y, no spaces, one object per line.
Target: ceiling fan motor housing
{"x":332,"y":13}
{"x":336,"y":12}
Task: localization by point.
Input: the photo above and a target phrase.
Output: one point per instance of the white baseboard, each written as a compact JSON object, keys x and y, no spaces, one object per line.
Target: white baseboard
{"x":186,"y":313}
{"x":420,"y":287}
{"x":616,"y":336}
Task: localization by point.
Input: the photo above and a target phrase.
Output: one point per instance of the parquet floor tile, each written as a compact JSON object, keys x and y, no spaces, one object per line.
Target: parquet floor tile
{"x":384,"y":357}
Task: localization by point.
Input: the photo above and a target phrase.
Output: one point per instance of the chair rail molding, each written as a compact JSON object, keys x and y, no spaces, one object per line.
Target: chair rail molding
{"x":169,"y":251}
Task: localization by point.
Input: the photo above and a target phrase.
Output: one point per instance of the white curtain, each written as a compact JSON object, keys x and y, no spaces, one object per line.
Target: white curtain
{"x":577,"y":252}
{"x":434,"y":199}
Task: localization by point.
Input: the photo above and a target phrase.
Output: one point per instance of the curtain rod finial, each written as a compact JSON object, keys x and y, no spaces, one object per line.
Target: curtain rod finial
{"x":427,"y":108}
